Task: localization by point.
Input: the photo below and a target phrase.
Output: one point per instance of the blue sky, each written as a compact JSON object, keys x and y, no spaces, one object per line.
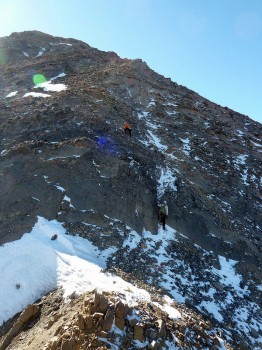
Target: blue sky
{"x":213,"y":47}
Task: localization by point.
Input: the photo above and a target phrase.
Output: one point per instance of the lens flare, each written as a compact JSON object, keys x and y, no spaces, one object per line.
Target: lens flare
{"x":106,"y":145}
{"x":101,"y":141}
{"x":39,"y":78}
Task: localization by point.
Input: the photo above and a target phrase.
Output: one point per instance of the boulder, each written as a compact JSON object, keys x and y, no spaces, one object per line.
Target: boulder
{"x":120,"y":323}
{"x":120,"y":310}
{"x":103,"y":304}
{"x":89,"y":322}
{"x":30,"y":312}
{"x":98,"y":315}
{"x":139,"y":333}
{"x":67,"y":344}
{"x":80,"y":321}
{"x":96,"y":300}
{"x":161,"y":328}
{"x":103,"y":334}
{"x":108,"y":320}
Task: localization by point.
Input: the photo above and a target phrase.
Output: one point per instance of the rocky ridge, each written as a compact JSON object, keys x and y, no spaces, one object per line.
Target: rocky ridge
{"x":205,"y":160}
{"x":101,"y":321}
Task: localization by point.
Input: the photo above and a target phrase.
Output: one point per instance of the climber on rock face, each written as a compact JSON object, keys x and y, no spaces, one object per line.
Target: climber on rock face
{"x":127,"y":128}
{"x":162,"y":214}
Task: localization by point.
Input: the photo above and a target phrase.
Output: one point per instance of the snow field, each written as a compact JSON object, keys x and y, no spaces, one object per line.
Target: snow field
{"x":35,"y":265}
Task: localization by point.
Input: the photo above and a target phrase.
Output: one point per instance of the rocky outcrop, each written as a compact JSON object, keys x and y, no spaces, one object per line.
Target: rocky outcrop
{"x":26,"y":316}
{"x":95,"y":320}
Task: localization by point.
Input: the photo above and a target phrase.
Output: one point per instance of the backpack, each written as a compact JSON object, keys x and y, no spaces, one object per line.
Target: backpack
{"x":162,"y":209}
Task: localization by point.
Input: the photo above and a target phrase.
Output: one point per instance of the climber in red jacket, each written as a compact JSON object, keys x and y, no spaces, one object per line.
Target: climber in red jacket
{"x":127,"y":128}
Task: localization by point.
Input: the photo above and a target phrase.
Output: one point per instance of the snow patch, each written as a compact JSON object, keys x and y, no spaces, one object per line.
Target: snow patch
{"x":49,"y":86}
{"x":61,"y":75}
{"x":166,"y":181}
{"x":241,"y":161}
{"x":12,"y":94}
{"x":171,"y":311}
{"x":35,"y":265}
{"x":259,"y":287}
{"x":67,"y":199}
{"x":151,"y":103}
{"x":40,"y":53}
{"x":170,"y":104}
{"x":60,"y":188}
{"x":36,"y":94}
{"x":153,"y":139}
{"x":54,"y":44}
{"x":186,"y":147}
{"x":142,"y":114}
{"x":65,"y":157}
{"x":227,"y":274}
{"x":240,"y":133}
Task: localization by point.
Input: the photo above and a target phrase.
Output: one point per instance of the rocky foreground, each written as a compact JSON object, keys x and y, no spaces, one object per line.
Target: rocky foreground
{"x":100,"y":321}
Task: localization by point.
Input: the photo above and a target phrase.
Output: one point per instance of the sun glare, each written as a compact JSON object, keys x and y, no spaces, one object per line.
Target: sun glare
{"x":39,"y":78}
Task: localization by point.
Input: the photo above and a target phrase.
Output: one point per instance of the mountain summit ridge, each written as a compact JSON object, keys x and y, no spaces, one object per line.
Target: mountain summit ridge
{"x":65,"y":157}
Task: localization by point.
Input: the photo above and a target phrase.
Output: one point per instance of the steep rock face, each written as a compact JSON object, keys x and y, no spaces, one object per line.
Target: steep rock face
{"x":64,"y":155}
